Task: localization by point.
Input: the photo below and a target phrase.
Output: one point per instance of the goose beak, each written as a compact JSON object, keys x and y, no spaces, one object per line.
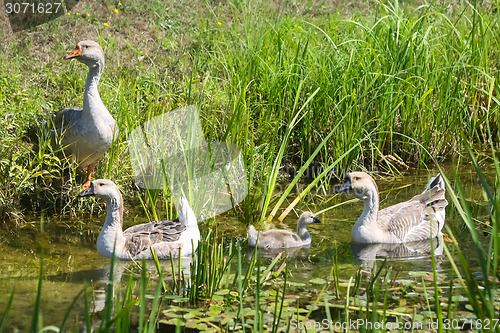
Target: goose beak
{"x":76,"y":53}
{"x":343,"y":188}
{"x":89,"y":191}
{"x":316,"y":220}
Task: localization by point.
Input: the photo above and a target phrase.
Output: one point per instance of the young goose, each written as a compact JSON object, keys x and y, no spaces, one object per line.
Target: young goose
{"x":88,"y":132}
{"x":421,"y":217}
{"x":278,"y":239}
{"x":165,"y":237}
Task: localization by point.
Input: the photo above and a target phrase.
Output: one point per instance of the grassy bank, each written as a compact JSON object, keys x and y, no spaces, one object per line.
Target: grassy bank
{"x":386,"y":76}
{"x":295,"y":85}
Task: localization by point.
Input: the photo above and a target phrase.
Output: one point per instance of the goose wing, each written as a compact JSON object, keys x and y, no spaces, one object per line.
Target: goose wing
{"x":420,"y":218}
{"x":141,"y":237}
{"x":277,"y":238}
{"x":67,"y":117}
{"x":284,"y":238}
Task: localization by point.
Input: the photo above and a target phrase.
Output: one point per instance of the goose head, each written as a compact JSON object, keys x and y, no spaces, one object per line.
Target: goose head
{"x":87,"y":52}
{"x":305,"y":219}
{"x":358,"y":184}
{"x":102,"y":188}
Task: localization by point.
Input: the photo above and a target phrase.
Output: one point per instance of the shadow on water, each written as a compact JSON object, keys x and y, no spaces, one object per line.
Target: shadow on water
{"x":71,"y":260}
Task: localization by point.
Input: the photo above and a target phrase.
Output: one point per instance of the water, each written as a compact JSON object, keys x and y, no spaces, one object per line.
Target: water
{"x":71,"y":260}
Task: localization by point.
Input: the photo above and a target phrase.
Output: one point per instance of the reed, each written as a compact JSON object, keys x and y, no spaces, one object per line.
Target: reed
{"x":356,"y":91}
{"x":208,"y":268}
{"x":399,"y":71}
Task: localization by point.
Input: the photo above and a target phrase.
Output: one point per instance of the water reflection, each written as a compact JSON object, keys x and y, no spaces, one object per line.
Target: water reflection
{"x":368,"y":253}
{"x":71,"y":259}
{"x":297,"y":252}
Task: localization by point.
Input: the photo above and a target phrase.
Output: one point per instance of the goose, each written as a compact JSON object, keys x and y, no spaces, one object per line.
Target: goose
{"x":86,"y":133}
{"x":421,"y":217}
{"x":136,"y":242}
{"x":278,"y":239}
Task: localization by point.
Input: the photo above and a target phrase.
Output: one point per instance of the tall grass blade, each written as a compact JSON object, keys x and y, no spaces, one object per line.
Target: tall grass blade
{"x":71,"y":306}
{"x":271,"y":182}
{"x":302,"y":170}
{"x":6,"y":311}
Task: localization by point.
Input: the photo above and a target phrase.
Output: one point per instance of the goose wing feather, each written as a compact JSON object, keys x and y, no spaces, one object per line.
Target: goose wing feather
{"x":411,"y":220}
{"x":279,"y":239}
{"x":162,"y":249}
{"x":143,"y":236}
{"x":65,"y":118}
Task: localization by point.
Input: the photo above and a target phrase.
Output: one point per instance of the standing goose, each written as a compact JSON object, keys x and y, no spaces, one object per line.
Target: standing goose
{"x":279,"y":239}
{"x":421,"y":217}
{"x":165,"y":237}
{"x":88,"y":132}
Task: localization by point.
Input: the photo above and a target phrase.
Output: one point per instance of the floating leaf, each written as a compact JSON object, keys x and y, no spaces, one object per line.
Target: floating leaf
{"x":318,"y":281}
{"x":181,"y":300}
{"x":401,"y":309}
{"x":223,"y":292}
{"x":418,"y":318}
{"x":192,"y":324}
{"x":173,"y":315}
{"x":201,"y":327}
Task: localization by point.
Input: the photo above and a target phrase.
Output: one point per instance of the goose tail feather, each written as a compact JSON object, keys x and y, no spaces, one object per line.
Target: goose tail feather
{"x":187,"y":217}
{"x":253,"y":235}
{"x":435,"y":182}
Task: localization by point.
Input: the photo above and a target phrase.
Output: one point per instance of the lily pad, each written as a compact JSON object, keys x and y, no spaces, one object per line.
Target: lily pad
{"x":181,"y":300}
{"x":201,"y":326}
{"x":318,"y":281}
{"x":222,"y":292}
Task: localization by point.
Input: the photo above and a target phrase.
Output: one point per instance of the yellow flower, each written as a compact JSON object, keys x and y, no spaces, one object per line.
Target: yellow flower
{"x":69,"y":13}
{"x":88,"y":14}
{"x":106,"y":25}
{"x":119,"y":3}
{"x":116,"y":10}
{"x":219,"y":23}
{"x":77,"y":13}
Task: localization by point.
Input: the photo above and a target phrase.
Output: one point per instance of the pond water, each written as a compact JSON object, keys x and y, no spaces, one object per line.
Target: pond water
{"x":71,"y":260}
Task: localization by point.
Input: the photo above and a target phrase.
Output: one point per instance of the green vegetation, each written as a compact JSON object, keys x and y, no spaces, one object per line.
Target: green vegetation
{"x":272,"y":82}
{"x":309,"y":85}
{"x":216,"y":293}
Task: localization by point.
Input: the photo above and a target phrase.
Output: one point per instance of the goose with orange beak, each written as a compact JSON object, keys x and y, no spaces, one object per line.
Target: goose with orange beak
{"x":86,"y":133}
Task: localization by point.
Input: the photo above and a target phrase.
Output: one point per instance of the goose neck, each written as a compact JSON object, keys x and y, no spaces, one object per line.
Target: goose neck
{"x":303,"y":233}
{"x":370,"y":210}
{"x":91,"y":98}
{"x":111,"y":237}
{"x":114,"y":213}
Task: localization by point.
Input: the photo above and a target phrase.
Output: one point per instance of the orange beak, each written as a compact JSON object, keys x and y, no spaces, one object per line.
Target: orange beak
{"x":76,"y":53}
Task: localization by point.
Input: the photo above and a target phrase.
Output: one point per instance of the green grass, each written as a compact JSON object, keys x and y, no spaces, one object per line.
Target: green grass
{"x":377,"y":76}
{"x":394,"y":85}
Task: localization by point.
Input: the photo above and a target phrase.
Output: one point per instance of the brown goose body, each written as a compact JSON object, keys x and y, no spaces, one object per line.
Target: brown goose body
{"x":277,"y":239}
{"x":166,"y":238}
